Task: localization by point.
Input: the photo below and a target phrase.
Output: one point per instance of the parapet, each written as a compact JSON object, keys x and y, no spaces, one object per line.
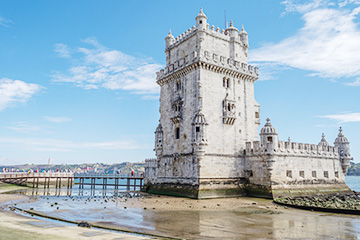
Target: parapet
{"x":290,"y":148}
{"x":150,"y":163}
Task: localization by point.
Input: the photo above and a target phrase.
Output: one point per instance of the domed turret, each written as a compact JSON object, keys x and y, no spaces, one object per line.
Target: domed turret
{"x":233,"y":31}
{"x":269,"y":135}
{"x":343,"y":144}
{"x":244,"y":36}
{"x":201,"y":20}
{"x":169,"y":40}
{"x":199,"y":123}
{"x":199,"y":141}
{"x":323,"y":142}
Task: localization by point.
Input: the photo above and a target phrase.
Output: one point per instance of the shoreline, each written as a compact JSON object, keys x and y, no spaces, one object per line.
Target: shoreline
{"x":15,"y":225}
{"x":165,"y":217}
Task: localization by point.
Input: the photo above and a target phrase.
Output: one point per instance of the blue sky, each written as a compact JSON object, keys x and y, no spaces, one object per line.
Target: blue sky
{"x":77,"y":78}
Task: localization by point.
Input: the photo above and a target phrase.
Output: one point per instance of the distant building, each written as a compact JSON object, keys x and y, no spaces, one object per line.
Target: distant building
{"x":207,"y":142}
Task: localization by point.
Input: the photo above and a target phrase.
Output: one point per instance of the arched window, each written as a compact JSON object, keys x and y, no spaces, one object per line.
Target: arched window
{"x":228,"y":83}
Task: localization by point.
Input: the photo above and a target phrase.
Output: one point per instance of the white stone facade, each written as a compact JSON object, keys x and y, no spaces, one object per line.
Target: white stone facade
{"x":207,"y":142}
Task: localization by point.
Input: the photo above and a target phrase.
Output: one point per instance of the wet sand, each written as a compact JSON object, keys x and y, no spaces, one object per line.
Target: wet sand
{"x":14,"y":226}
{"x":230,"y":218}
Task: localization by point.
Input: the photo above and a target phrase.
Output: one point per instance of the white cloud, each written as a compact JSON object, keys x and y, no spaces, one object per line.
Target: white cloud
{"x":327,"y":44}
{"x":14,"y":91}
{"x":300,"y":6}
{"x":5,"y":22}
{"x":356,"y":83}
{"x":62,"y":50}
{"x":343,"y":118}
{"x":100,"y":67}
{"x":25,"y":127}
{"x":52,"y":145}
{"x":347,"y":2}
{"x":57,"y":119}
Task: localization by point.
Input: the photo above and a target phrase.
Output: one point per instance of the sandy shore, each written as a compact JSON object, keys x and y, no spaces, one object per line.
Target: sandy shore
{"x":14,"y":226}
{"x":182,"y":218}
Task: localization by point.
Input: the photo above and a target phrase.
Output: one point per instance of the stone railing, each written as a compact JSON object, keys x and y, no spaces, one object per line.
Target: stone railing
{"x":291,"y":148}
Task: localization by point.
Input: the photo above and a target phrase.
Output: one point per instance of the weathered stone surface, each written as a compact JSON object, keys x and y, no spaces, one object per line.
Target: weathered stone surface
{"x":207,"y":142}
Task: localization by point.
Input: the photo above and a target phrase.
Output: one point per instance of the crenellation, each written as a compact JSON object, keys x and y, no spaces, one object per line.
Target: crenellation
{"x":207,"y":142}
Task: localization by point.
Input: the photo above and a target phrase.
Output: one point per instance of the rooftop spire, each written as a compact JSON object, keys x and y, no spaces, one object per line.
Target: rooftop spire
{"x":201,"y":14}
{"x":323,"y":141}
{"x":243,"y":30}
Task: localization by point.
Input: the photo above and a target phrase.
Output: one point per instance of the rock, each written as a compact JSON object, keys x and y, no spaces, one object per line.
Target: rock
{"x":84,"y":224}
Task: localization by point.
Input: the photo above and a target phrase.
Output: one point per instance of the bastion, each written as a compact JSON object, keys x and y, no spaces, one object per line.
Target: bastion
{"x":207,"y":143}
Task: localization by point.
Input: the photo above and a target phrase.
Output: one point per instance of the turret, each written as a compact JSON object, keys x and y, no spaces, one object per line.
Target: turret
{"x":343,"y":145}
{"x":269,"y":136}
{"x":232,"y":31}
{"x":244,"y":37}
{"x":199,"y":134}
{"x":169,"y":40}
{"x":323,"y":143}
{"x":201,"y":20}
{"x":158,"y":140}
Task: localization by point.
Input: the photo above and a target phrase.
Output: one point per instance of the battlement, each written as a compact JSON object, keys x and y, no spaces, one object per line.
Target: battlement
{"x":293,"y":148}
{"x":215,"y":32}
{"x":150,"y":162}
{"x":208,"y":57}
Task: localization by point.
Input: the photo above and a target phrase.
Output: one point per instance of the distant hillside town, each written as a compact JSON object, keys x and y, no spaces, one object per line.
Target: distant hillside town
{"x":120,"y":168}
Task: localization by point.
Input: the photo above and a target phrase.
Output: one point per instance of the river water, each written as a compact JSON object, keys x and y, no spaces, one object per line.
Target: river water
{"x":242,"y":218}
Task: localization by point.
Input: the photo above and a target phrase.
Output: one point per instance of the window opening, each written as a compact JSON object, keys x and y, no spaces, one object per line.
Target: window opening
{"x":289,"y":173}
{"x":197,"y":129}
{"x":177,"y":133}
{"x":178,"y":86}
{"x":313,"y":174}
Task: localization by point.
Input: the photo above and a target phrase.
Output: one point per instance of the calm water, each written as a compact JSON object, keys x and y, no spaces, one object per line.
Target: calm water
{"x":108,"y":208}
{"x":353,"y":182}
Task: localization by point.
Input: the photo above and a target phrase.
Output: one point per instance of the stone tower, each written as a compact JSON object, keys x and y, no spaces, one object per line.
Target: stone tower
{"x":208,"y":112}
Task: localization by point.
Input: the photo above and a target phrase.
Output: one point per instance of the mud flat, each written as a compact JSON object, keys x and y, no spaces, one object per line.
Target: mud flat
{"x":14,"y":226}
{"x":229,"y":218}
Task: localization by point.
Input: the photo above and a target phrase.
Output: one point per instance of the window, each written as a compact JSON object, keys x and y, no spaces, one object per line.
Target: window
{"x":326,"y":174}
{"x":200,"y":22}
{"x":302,"y":174}
{"x":178,"y":86}
{"x":289,"y":173}
{"x":313,"y":173}
{"x":226,"y":82}
{"x":197,"y":129}
{"x":336,"y":174}
{"x":257,"y":115}
{"x":177,"y":133}
{"x":269,"y":140}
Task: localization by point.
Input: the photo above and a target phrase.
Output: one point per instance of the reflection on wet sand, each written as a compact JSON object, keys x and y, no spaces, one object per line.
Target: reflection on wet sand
{"x":248,"y":218}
